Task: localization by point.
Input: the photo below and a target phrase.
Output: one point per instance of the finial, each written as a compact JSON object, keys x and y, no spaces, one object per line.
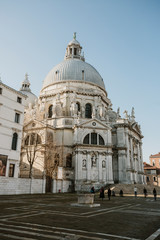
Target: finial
{"x":74,"y":35}
{"x":26,"y":76}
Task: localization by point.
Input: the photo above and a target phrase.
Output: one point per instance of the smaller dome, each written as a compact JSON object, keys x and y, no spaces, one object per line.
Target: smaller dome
{"x":31,"y":98}
{"x":73,"y":42}
{"x":25,"y":89}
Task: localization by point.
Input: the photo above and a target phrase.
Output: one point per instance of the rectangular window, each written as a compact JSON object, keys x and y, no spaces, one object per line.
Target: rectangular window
{"x":11,"y":170}
{"x":17,"y":117}
{"x":0,"y":90}
{"x":19,"y":100}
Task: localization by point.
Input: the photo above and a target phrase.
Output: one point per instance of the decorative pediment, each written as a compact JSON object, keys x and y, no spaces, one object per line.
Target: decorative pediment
{"x":136,"y":127}
{"x":94,"y":124}
{"x":33,"y":124}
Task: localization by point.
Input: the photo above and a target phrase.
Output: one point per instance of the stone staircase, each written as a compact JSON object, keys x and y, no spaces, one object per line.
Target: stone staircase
{"x":129,"y":188}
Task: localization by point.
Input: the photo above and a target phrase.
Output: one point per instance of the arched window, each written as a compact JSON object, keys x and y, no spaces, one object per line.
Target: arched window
{"x":78,"y":107}
{"x":88,"y":110}
{"x":50,"y":111}
{"x":93,"y":138}
{"x":101,"y":140}
{"x":86,"y":139}
{"x":69,"y":160}
{"x":14,"y":141}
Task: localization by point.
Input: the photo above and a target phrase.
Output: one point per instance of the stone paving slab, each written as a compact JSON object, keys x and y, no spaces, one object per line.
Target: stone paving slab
{"x":52,"y":216}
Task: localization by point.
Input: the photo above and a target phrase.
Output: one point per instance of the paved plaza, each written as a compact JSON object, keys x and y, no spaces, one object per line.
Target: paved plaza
{"x":51,"y":216}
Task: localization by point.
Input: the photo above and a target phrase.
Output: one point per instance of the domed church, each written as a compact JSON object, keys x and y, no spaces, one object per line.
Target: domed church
{"x":72,"y":137}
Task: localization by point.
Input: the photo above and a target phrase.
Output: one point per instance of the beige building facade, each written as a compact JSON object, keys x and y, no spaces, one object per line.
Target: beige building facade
{"x":11,"y":125}
{"x":72,"y":136}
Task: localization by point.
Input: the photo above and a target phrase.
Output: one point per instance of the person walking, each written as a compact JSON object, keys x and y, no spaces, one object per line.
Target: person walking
{"x":92,"y":190}
{"x":121,"y":193}
{"x":135,"y":191}
{"x":101,"y":193}
{"x":155,"y":194}
{"x":109,"y":193}
{"x":145,"y":192}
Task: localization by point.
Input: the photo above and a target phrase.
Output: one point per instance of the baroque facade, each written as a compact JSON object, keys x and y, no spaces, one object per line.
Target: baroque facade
{"x":71,"y":134}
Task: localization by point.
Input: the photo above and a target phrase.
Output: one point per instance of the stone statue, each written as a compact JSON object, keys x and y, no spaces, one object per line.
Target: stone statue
{"x":103,"y":164}
{"x":132,"y":114}
{"x":84,"y":163}
{"x":74,"y":35}
{"x":101,"y":112}
{"x":118,"y":112}
{"x":73,"y":109}
{"x":126,"y":114}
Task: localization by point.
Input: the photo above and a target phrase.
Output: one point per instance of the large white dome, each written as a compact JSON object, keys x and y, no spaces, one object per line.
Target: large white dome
{"x":73,"y":69}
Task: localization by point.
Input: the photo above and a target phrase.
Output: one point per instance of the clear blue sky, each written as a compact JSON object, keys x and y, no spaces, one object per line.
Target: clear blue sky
{"x":120,"y":38}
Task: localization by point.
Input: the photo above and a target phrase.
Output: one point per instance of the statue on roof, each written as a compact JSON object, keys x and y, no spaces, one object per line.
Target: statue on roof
{"x":74,"y":35}
{"x":26,"y":76}
{"x":133,"y":114}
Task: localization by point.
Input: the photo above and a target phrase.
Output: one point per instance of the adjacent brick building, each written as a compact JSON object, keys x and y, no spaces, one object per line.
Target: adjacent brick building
{"x":152,"y":170}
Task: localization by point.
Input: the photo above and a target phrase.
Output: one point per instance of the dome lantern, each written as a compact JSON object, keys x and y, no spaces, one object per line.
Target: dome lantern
{"x":73,"y":49}
{"x":25,"y":84}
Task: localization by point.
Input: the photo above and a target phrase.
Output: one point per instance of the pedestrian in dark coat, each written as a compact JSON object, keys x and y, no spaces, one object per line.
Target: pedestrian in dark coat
{"x":109,"y":193}
{"x":101,"y":193}
{"x":145,"y":192}
{"x":155,"y":194}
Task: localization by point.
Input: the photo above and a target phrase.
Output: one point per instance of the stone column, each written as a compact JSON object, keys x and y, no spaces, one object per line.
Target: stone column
{"x":139,"y":164}
{"x":79,"y":166}
{"x":127,"y":146}
{"x":109,"y":137}
{"x":128,"y":164}
{"x":76,"y":165}
{"x":100,"y":167}
{"x":110,"y":170}
{"x":88,"y":166}
{"x":121,"y":166}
